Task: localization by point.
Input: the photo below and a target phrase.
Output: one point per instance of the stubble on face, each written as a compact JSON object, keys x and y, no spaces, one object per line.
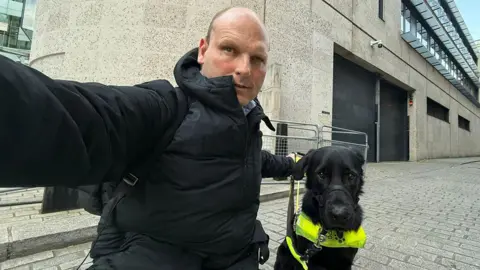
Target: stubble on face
{"x":237,"y":45}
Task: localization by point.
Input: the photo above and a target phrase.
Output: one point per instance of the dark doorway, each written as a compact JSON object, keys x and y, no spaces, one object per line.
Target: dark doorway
{"x":354,"y":103}
{"x":393,"y":123}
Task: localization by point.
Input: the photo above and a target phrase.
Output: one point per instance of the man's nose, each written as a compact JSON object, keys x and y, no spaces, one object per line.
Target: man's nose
{"x":243,"y":65}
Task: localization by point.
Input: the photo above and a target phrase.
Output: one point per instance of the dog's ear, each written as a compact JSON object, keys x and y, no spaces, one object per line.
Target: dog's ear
{"x":359,"y":156}
{"x":301,"y":166}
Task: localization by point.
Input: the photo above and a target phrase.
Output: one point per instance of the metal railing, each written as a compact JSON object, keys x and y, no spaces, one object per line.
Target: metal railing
{"x":291,"y":137}
{"x":302,"y":137}
{"x":349,"y":138}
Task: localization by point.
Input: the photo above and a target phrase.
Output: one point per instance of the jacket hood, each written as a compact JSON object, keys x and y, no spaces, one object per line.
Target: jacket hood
{"x":218,"y":92}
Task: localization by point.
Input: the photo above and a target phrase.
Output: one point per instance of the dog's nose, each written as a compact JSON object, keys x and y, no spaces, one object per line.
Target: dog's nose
{"x":340,"y":213}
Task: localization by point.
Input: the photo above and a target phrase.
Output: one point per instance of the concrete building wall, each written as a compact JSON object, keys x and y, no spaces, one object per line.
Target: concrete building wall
{"x":126,"y":42}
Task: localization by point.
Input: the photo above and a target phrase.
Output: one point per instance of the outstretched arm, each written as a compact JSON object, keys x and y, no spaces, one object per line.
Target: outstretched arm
{"x":276,"y":165}
{"x":67,"y":133}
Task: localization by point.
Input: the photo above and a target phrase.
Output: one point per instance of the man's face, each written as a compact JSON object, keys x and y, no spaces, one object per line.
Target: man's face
{"x":236,"y":47}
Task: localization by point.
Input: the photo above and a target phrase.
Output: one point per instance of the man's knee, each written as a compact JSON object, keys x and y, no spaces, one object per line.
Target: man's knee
{"x":142,"y":252}
{"x":109,"y":240}
{"x":248,"y":263}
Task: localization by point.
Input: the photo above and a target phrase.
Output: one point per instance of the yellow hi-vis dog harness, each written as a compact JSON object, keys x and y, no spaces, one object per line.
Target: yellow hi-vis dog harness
{"x":315,"y":233}
{"x":304,"y":227}
{"x":307,"y":229}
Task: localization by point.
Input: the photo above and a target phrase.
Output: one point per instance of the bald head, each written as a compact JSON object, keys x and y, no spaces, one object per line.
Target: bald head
{"x":231,"y":14}
{"x":236,"y":44}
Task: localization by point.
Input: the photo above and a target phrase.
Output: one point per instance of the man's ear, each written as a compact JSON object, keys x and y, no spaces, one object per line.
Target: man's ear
{"x":301,"y":166}
{"x":202,"y":48}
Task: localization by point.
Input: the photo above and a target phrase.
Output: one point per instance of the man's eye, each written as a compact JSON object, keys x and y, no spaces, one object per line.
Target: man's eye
{"x":258,"y":60}
{"x":228,"y":49}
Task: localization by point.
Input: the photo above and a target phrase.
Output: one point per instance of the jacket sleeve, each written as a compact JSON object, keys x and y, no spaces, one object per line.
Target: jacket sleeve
{"x":276,"y":165}
{"x":63,"y":133}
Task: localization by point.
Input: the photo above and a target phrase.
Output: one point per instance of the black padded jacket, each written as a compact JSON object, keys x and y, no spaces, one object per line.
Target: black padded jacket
{"x":203,"y":192}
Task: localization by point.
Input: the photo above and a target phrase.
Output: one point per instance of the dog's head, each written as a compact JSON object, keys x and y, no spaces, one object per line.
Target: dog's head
{"x":334,"y":185}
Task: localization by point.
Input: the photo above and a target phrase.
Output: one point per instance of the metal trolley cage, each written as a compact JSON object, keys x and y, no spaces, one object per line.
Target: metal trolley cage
{"x":327,"y":133}
{"x":301,"y":137}
{"x":291,"y":137}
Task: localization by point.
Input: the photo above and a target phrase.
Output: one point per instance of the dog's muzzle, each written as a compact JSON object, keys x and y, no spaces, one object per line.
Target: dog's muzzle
{"x":321,"y":197}
{"x":338,"y":213}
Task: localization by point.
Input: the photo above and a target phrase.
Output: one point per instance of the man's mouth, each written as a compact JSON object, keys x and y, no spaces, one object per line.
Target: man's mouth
{"x":241,"y":86}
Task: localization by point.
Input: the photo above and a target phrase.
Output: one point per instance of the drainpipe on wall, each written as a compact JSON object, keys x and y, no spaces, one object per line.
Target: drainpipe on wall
{"x":377,"y":118}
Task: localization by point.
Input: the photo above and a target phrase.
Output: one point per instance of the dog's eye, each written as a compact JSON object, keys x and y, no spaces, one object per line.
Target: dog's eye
{"x":321,"y":175}
{"x":351,"y":176}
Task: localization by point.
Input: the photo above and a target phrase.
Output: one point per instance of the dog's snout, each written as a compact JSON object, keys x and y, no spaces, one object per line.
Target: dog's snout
{"x":340,"y":213}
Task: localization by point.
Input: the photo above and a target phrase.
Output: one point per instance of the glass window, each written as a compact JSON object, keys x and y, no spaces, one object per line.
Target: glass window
{"x":409,"y":24}
{"x":402,"y":19}
{"x":408,"y":20}
{"x":14,"y":34}
{"x":436,"y":110}
{"x":425,"y":38}
{"x":380,"y":9}
{"x":437,"y":52}
{"x":418,"y":30}
{"x":432,"y":46}
{"x":443,"y":58}
{"x":3,"y":18}
{"x":463,"y":123}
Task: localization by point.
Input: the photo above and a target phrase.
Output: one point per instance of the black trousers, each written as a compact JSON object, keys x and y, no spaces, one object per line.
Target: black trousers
{"x":128,"y":251}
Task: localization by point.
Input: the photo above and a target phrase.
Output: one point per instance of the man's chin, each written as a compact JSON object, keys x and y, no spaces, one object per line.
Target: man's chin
{"x":243,"y":101}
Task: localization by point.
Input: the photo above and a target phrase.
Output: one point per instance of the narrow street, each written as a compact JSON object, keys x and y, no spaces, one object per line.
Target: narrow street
{"x":418,"y":216}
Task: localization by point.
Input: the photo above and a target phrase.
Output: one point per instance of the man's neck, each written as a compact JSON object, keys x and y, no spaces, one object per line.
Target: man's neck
{"x":249,"y":107}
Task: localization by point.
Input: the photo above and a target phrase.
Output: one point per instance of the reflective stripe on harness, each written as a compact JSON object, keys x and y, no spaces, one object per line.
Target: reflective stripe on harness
{"x":307,"y":229}
{"x":295,"y":254}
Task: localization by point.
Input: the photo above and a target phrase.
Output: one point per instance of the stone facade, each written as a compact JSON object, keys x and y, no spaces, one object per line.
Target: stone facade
{"x":127,"y":42}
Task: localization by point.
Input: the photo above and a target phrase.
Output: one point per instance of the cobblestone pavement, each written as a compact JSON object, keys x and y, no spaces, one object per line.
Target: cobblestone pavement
{"x":417,"y":217}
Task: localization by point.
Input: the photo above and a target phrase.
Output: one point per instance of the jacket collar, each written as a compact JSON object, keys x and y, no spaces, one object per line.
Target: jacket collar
{"x":218,"y":92}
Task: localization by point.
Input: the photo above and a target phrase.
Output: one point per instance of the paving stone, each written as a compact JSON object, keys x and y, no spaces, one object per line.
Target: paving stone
{"x":364,"y":263}
{"x":58,"y":260}
{"x":375,"y":256}
{"x":396,"y":264}
{"x":467,"y":260}
{"x":26,"y":260}
{"x":26,"y":213}
{"x":435,"y":251}
{"x":23,"y":267}
{"x":74,"y":264}
{"x":71,"y":249}
{"x":390,"y":253}
{"x":425,"y":264}
{"x":452,"y":264}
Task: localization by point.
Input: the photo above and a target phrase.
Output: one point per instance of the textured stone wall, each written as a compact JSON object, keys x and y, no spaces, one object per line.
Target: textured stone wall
{"x":126,"y":42}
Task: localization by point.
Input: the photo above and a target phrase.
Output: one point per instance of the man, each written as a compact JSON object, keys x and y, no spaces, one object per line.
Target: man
{"x":199,"y":205}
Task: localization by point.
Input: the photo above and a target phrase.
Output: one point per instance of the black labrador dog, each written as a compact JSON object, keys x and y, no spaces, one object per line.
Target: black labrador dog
{"x":333,"y":186}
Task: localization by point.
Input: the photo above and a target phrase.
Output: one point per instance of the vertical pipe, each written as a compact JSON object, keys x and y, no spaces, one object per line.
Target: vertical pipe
{"x":377,"y":120}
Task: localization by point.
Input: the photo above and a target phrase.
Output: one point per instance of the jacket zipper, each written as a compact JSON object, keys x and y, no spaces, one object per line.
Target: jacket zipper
{"x":245,"y":157}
